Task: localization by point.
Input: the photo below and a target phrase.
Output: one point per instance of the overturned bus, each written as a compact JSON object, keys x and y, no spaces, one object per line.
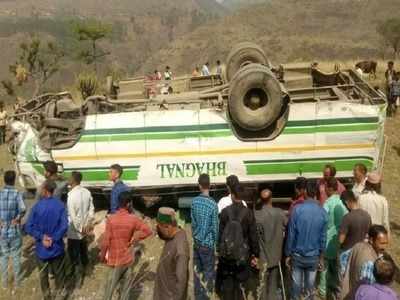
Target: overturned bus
{"x":264,"y":124}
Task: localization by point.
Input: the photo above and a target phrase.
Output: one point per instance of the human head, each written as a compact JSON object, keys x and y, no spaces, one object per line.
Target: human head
{"x":218,"y":62}
{"x":207,"y":64}
{"x":76,"y":178}
{"x":231,"y":181}
{"x":311,"y":189}
{"x":390,"y":65}
{"x":155,"y":72}
{"x":373,"y":182}
{"x":48,"y":188}
{"x":124,"y":199}
{"x":329,"y":171}
{"x":349,"y":200}
{"x":378,"y":238}
{"x":204,"y":182}
{"x":266,"y":196}
{"x":384,"y":270}
{"x":300,"y":186}
{"x":50,"y":168}
{"x":237,"y":193}
{"x":331,"y":186}
{"x":115,"y":172}
{"x":359,"y":172}
{"x":167,"y":68}
{"x":9,"y":177}
{"x":166,"y":223}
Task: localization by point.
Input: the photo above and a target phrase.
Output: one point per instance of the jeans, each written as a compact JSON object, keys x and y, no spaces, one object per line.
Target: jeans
{"x":304,"y":272}
{"x":329,"y":279}
{"x":117,"y":276}
{"x":269,"y":284}
{"x":10,"y":248}
{"x":204,"y":272}
{"x":57,"y":267}
{"x":78,"y":254}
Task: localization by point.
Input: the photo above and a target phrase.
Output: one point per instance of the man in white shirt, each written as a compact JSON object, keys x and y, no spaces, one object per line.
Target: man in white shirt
{"x":360,"y":177}
{"x":373,"y":203}
{"x":167,"y":73}
{"x":205,"y":71}
{"x":80,"y":217}
{"x":231,"y":182}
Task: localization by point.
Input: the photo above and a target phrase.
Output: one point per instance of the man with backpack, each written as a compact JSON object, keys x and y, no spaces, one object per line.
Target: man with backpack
{"x":238,"y":246}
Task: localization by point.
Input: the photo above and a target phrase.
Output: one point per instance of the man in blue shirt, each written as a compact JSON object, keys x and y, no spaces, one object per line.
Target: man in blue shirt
{"x":47,"y":224}
{"x":12,"y":210}
{"x":204,"y":213}
{"x":306,"y":242}
{"x":115,"y":175}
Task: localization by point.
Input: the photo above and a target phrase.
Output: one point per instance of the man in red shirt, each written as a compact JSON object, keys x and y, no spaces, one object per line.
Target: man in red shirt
{"x":122,"y":231}
{"x":328,"y":172}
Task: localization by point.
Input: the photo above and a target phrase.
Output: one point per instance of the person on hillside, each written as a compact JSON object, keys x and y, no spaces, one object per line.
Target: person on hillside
{"x":167,"y":73}
{"x":157,"y":75}
{"x":358,"y":265}
{"x":80,"y":217}
{"x":306,"y":243}
{"x":329,"y":281}
{"x":219,"y":68}
{"x":355,"y":225}
{"x":384,"y":271}
{"x":172,"y":273}
{"x":119,"y":186}
{"x":205,"y":224}
{"x":329,"y":171}
{"x":51,"y":173}
{"x":360,"y":177}
{"x":300,"y":192}
{"x":205,"y":70}
{"x":238,"y":246}
{"x":395,"y":93}
{"x":3,"y":123}
{"x":231,"y":182}
{"x":196,"y":72}
{"x":123,"y":230}
{"x":47,"y":224}
{"x":271,"y":226}
{"x":373,"y":202}
{"x":12,"y":210}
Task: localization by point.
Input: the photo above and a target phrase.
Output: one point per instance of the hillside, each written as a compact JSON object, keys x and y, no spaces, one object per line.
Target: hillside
{"x":288,"y":31}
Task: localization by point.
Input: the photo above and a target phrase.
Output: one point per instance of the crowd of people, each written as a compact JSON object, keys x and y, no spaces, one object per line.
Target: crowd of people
{"x":332,"y":241}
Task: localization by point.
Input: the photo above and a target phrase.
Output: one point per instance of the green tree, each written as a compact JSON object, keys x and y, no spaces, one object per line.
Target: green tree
{"x":390,"y":31}
{"x":37,"y":62}
{"x":92,"y":32}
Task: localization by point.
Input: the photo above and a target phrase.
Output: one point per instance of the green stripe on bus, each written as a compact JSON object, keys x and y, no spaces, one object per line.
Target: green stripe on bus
{"x":300,"y":167}
{"x":220,"y":133}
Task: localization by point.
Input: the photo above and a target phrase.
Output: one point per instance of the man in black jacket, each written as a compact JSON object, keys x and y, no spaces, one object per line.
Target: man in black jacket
{"x":234,"y":273}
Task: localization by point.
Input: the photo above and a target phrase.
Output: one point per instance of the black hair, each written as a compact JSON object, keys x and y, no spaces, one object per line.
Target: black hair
{"x":390,"y":62}
{"x":231,"y":181}
{"x":332,"y":169}
{"x":238,"y":192}
{"x":50,"y":166}
{"x":384,"y":269}
{"x":348,"y":196}
{"x":76,"y":176}
{"x":204,"y":181}
{"x":124,"y":199}
{"x":376,"y":230}
{"x":9,"y":177}
{"x":361,"y":167}
{"x":117,"y":168}
{"x":50,"y":186}
{"x":332,"y":183}
{"x":311,"y":188}
{"x":300,"y":183}
{"x":218,"y":62}
{"x":373,"y":187}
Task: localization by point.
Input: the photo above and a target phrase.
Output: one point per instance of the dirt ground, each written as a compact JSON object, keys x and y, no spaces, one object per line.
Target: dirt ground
{"x":143,"y":272}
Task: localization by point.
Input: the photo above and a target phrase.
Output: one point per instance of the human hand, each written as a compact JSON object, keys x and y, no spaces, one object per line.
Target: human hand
{"x":288,"y":262}
{"x":321,"y":265}
{"x":47,"y":241}
{"x":254,"y":262}
{"x":16,"y":221}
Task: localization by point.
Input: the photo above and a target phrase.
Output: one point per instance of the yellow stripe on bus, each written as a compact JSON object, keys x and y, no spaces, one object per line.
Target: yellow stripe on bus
{"x":213,"y":152}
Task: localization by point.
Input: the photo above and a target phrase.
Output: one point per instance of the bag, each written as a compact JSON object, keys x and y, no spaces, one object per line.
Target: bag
{"x":233,"y":246}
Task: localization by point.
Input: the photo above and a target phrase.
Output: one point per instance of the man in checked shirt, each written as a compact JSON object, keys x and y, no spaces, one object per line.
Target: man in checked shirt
{"x":12,"y":209}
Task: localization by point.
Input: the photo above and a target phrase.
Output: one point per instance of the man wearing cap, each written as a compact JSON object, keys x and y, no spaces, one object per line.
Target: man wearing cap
{"x":172,"y":270}
{"x":373,"y":203}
